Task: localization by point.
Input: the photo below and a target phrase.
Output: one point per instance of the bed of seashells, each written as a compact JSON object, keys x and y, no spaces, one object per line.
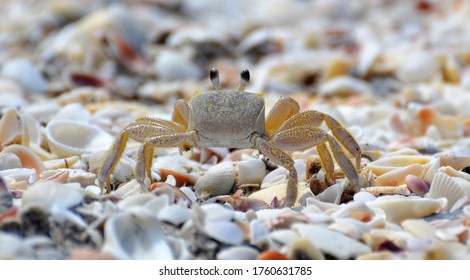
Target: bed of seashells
{"x":73,"y":74}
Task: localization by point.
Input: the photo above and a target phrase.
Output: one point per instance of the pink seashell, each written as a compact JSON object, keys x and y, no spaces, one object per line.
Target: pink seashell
{"x":416,"y":185}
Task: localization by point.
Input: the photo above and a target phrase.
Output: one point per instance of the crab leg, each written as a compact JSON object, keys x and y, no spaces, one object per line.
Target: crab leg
{"x":315,"y":118}
{"x":181,"y":113}
{"x":280,"y":157}
{"x":139,"y":130}
{"x":145,"y":153}
{"x":303,"y":137}
{"x":281,"y":111}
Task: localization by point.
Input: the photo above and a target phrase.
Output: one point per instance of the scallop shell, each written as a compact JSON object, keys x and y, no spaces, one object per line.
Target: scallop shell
{"x":68,"y":138}
{"x":137,"y":235}
{"x":443,"y":185}
{"x":50,"y":195}
{"x":218,"y":180}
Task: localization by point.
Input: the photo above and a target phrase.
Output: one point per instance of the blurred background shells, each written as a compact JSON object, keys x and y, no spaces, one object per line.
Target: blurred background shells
{"x":73,"y":74}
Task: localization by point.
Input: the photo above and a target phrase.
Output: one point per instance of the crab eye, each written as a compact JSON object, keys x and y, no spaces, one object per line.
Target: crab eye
{"x":214,"y":77}
{"x":245,"y":78}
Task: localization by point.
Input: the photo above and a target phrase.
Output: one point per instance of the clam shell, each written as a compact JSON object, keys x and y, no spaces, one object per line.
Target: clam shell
{"x":68,"y":138}
{"x":218,"y":180}
{"x":28,"y":158}
{"x":279,"y":191}
{"x":251,"y":171}
{"x":225,"y":232}
{"x":174,"y":214}
{"x":135,"y":235}
{"x":443,"y":185}
{"x":332,"y":194}
{"x":74,"y":112}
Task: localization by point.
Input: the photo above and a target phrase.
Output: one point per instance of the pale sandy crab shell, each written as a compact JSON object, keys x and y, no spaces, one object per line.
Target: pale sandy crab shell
{"x":68,"y":138}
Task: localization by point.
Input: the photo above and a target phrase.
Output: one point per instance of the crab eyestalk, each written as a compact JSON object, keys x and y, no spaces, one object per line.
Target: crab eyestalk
{"x":214,"y":77}
{"x":245,"y":78}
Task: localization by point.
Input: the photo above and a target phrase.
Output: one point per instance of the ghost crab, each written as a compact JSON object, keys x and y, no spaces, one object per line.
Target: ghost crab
{"x":236,"y":119}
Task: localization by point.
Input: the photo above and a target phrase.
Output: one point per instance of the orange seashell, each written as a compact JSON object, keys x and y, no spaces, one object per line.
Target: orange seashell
{"x":181,"y":179}
{"x":157,"y":185}
{"x":272,"y":255}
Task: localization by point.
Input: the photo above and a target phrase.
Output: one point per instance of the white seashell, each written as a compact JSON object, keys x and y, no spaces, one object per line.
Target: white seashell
{"x":24,"y":74}
{"x":82,"y":177}
{"x":157,"y":203}
{"x":27,"y":175}
{"x":9,"y":161}
{"x":129,"y":188}
{"x":251,"y":171}
{"x":332,"y":194}
{"x":189,"y":193}
{"x":458,"y":233}
{"x":331,"y":242}
{"x":68,"y":138}
{"x":237,"y":253}
{"x":433,"y":168}
{"x":43,"y":111}
{"x":275,"y":177}
{"x":397,"y":190}
{"x":93,"y":189}
{"x":11,"y":125}
{"x":51,"y":195}
{"x":62,"y":163}
{"x":29,"y":159}
{"x":363,"y":196}
{"x":343,"y":86}
{"x":350,"y":227}
{"x":397,"y":177}
{"x":135,"y":235}
{"x":398,"y":208}
{"x":258,"y":232}
{"x":176,"y":65}
{"x":225,"y":232}
{"x":135,"y":200}
{"x":174,"y":214}
{"x":12,"y":100}
{"x":218,"y":180}
{"x":73,"y":112}
{"x":268,"y":194}
{"x":387,"y":164}
{"x":32,"y":135}
{"x":443,"y":185}
{"x":417,"y":67}
{"x":284,"y":237}
{"x":369,"y":53}
{"x":214,"y":212}
{"x":14,"y":248}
